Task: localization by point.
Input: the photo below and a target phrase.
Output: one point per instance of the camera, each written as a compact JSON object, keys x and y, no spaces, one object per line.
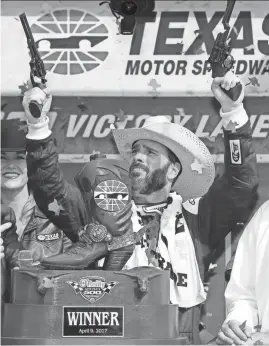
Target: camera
{"x":132,"y":7}
{"x":130,"y":10}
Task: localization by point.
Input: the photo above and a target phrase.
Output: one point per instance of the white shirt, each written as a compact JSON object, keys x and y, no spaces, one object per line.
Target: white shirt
{"x":247,"y":294}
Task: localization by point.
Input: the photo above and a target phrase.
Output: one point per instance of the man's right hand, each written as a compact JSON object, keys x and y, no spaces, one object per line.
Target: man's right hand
{"x":231,"y":333}
{"x":42,"y":96}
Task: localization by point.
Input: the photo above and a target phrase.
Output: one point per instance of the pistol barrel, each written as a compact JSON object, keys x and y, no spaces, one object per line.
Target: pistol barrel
{"x":26,"y":26}
{"x":228,"y":13}
{"x":28,"y":33}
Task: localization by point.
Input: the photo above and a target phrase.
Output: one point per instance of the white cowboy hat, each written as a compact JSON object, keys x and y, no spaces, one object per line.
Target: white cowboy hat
{"x":198,"y":170}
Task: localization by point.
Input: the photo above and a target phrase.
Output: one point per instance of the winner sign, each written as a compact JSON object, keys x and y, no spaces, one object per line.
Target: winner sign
{"x":92,"y":321}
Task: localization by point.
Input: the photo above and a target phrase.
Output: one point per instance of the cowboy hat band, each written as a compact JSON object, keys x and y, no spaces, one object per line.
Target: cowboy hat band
{"x":198,"y":170}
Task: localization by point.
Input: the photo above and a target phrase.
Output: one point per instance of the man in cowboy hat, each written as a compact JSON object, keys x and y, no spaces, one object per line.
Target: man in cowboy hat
{"x":172,"y":175}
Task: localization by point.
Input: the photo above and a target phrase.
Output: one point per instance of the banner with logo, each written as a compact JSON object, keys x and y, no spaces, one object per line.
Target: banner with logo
{"x":85,"y":54}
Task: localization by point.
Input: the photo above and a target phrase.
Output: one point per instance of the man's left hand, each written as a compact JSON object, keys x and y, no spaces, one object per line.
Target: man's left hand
{"x":227,"y":82}
{"x":42,"y":96}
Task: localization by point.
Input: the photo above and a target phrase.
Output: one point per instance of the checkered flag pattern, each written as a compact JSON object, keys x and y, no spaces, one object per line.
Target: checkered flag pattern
{"x":76,"y":286}
{"x":108,"y":286}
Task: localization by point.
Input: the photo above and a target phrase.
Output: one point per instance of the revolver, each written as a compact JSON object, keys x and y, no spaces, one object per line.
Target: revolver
{"x":220,"y":59}
{"x":36,"y":64}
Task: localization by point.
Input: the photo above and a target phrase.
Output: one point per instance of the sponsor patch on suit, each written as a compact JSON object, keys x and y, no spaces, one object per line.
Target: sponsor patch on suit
{"x":49,"y":237}
{"x":235,"y":150}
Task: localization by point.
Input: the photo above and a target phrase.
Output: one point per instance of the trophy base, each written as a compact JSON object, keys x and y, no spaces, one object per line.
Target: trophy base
{"x":94,"y":341}
{"x":90,"y":308}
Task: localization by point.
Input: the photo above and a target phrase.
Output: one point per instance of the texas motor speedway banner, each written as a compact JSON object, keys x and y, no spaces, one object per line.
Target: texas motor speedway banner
{"x":85,"y":55}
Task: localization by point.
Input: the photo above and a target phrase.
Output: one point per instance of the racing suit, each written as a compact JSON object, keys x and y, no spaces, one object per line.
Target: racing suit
{"x":40,"y":236}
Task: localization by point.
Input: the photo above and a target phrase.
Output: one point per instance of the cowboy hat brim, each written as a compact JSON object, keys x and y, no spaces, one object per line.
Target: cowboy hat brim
{"x":198,"y":170}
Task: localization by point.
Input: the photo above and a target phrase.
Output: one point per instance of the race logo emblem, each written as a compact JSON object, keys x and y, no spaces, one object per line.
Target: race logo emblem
{"x":70,"y":41}
{"x":92,"y":288}
{"x":111,"y":195}
{"x":235,"y":151}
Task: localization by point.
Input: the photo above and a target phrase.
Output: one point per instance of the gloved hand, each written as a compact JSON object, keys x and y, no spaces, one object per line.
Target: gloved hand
{"x":227,"y":82}
{"x":42,"y":96}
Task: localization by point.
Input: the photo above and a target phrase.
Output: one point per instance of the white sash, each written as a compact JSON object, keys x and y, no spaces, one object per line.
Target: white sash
{"x":180,"y":253}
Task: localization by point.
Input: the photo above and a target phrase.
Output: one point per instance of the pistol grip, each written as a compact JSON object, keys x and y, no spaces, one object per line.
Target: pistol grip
{"x":35,"y":109}
{"x":234,"y":92}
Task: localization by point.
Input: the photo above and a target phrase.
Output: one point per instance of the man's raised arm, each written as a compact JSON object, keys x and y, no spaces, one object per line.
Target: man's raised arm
{"x":60,"y":201}
{"x":232,"y":197}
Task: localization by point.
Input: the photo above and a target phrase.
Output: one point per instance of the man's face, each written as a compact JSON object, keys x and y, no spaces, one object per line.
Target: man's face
{"x":149,"y":167}
{"x":13,"y":170}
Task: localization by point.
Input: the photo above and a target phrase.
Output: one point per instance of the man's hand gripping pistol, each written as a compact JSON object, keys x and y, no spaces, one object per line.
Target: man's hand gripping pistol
{"x":36,"y":65}
{"x":220,"y":59}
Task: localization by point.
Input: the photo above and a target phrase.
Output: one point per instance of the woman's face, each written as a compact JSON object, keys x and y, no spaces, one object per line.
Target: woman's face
{"x":13,"y":170}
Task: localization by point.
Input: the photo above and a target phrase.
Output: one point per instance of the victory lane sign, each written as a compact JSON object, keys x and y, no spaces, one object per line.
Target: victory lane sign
{"x":93,"y":321}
